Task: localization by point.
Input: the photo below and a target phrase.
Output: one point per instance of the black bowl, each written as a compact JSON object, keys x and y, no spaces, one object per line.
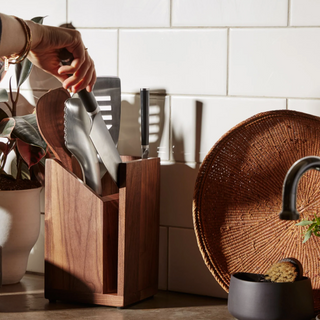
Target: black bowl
{"x":250,"y":299}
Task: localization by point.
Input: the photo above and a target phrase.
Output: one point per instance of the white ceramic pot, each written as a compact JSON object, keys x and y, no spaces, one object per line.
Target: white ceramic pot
{"x":19,"y":230}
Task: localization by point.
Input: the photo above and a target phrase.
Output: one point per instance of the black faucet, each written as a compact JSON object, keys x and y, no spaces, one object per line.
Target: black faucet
{"x":290,"y":185}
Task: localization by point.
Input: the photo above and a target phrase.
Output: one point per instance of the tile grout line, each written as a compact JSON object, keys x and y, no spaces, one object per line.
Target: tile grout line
{"x":177,"y":227}
{"x":170,"y":14}
{"x":67,"y":12}
{"x":168,"y":256}
{"x":289,"y":11}
{"x":118,"y":51}
{"x":198,"y":95}
{"x":228,"y":56}
{"x":168,"y":28}
{"x":171,"y":158}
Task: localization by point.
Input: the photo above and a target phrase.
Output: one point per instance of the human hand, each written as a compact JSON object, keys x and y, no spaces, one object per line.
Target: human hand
{"x":47,"y":44}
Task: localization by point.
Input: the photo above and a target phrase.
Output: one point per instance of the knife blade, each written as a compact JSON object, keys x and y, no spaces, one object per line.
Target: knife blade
{"x":77,"y":125}
{"x":144,"y":100}
{"x":100,"y":136}
{"x":99,"y":133}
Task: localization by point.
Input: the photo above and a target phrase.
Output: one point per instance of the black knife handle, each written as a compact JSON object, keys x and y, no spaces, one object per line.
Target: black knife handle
{"x":87,"y":98}
{"x":144,"y":98}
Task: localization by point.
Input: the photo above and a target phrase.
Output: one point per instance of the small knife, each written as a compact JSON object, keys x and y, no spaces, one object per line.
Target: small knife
{"x":144,"y":100}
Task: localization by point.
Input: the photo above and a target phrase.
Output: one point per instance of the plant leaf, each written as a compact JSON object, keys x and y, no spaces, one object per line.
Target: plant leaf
{"x":30,"y":154}
{"x":26,"y":129}
{"x":304,"y":223}
{"x":24,"y":68}
{"x":6,"y":147}
{"x":312,"y":226}
{"x":38,"y":19}
{"x":4,"y":95}
{"x":38,"y":172}
{"x":3,"y":147}
{"x":6,"y":128}
{"x":307,"y":236}
{"x":3,"y":114}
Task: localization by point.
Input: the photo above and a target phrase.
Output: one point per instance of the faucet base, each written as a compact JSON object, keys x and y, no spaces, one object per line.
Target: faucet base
{"x":289,"y":215}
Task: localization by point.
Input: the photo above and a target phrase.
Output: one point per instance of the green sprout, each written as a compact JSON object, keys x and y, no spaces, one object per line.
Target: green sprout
{"x":314,"y":228}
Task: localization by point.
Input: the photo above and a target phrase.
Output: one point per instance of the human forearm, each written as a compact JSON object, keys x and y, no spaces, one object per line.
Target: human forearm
{"x":13,"y":39}
{"x":43,"y":44}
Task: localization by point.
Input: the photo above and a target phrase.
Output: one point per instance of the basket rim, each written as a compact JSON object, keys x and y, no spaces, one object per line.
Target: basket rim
{"x":201,"y":179}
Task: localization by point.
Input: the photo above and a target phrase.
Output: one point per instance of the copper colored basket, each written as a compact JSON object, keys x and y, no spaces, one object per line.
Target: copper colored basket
{"x":238,"y":196}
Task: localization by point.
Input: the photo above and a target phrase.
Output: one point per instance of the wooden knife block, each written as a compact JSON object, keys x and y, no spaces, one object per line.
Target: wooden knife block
{"x":102,"y":250}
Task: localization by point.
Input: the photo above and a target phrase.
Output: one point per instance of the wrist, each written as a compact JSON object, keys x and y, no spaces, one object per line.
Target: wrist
{"x":14,"y":58}
{"x":37,"y":33}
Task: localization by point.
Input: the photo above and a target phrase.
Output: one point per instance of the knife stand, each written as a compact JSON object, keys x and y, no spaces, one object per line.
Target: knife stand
{"x":102,"y":250}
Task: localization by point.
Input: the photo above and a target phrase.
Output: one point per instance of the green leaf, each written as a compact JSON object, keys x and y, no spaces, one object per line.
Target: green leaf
{"x":317,"y":220}
{"x":26,"y":129}
{"x":312,"y":226}
{"x":4,"y":95}
{"x":29,"y":153}
{"x":304,"y":223}
{"x":24,"y":68}
{"x":3,"y":114}
{"x":38,"y":19}
{"x":307,"y":236}
{"x":6,"y":128}
{"x":6,"y":147}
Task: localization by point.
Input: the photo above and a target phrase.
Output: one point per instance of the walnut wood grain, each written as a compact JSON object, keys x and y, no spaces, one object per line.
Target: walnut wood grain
{"x":50,"y":118}
{"x":138,"y":227}
{"x":102,"y":250}
{"x":79,"y":228}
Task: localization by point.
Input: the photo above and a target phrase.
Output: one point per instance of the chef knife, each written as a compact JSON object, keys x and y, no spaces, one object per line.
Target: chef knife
{"x":144,"y":100}
{"x":76,"y":129}
{"x":99,"y":133}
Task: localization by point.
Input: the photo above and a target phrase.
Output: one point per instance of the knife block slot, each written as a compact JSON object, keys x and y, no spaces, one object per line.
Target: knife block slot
{"x":102,"y":249}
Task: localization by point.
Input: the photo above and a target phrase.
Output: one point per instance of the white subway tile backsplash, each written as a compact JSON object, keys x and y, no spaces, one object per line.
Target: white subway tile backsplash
{"x":187,"y":270}
{"x":199,"y":122}
{"x":28,"y":100}
{"x":178,"y":61}
{"x":103,"y":48}
{"x":55,"y":12}
{"x":176,"y":193}
{"x":125,"y":13}
{"x":130,"y":135}
{"x":306,"y":106}
{"x":229,"y":13}
{"x":41,"y":80}
{"x":163,"y":259}
{"x":305,"y":13}
{"x":275,"y":62}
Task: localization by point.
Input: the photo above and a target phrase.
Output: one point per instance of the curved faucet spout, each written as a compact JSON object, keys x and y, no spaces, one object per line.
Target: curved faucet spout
{"x":290,"y":185}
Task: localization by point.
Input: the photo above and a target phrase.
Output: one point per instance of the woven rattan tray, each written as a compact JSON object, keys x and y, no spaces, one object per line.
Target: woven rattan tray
{"x":238,"y":194}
